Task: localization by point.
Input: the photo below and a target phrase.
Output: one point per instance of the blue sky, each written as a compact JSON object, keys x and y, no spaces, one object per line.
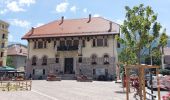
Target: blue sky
{"x":24,"y":14}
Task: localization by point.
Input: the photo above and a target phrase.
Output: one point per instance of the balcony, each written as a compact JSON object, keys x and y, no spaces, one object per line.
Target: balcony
{"x":67,"y":48}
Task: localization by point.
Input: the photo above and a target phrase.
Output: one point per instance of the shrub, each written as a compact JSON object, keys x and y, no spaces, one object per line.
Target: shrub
{"x":165,"y":72}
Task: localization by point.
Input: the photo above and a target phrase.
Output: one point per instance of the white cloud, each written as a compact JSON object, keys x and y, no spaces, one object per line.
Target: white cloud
{"x":73,"y":9}
{"x":3,"y":11}
{"x":20,"y":23}
{"x":62,"y":7}
{"x":96,"y":15}
{"x":39,"y":24}
{"x":85,"y":10}
{"x":11,"y":38}
{"x":13,"y":6}
{"x":26,"y":2}
{"x":119,"y":21}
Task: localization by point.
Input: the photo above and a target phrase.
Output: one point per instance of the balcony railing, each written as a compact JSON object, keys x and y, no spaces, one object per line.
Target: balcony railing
{"x":67,"y":48}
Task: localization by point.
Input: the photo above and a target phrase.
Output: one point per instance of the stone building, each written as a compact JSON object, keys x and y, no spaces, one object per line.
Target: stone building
{"x":72,"y":47}
{"x":3,"y":42}
{"x":18,"y":55}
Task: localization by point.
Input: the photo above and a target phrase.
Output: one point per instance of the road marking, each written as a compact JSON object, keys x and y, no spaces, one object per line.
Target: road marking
{"x":40,"y":93}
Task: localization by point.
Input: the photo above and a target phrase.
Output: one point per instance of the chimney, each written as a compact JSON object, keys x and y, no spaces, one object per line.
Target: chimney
{"x":110,"y":28}
{"x":89,"y":18}
{"x":62,"y":20}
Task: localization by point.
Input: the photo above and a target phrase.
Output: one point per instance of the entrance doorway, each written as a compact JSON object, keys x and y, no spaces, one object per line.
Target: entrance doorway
{"x":68,"y":68}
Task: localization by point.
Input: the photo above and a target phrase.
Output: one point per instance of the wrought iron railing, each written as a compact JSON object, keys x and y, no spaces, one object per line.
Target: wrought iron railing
{"x":67,"y":48}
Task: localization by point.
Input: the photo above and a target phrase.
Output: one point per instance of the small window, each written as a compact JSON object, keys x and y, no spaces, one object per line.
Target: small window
{"x":20,"y":51}
{"x":2,"y":54}
{"x":55,"y":44}
{"x":99,"y":42}
{"x":34,"y":60}
{"x":83,"y":43}
{"x":62,"y":43}
{"x":40,"y":44}
{"x":35,"y":45}
{"x":57,"y":60}
{"x":94,"y":59}
{"x":75,"y":42}
{"x":43,"y":71}
{"x":3,"y":36}
{"x":44,"y":60}
{"x":94,"y":42}
{"x":33,"y":71}
{"x":106,"y":59}
{"x":94,"y":71}
{"x":69,"y":42}
{"x":105,"y":42}
{"x":2,"y":45}
{"x":80,"y":60}
{"x":45,"y":44}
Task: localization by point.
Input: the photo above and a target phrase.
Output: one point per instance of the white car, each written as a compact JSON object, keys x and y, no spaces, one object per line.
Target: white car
{"x":154,"y":82}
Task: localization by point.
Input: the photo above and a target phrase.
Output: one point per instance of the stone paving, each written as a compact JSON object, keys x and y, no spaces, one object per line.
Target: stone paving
{"x":69,"y":90}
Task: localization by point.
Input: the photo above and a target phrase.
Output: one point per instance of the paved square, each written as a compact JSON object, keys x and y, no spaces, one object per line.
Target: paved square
{"x":69,"y":90}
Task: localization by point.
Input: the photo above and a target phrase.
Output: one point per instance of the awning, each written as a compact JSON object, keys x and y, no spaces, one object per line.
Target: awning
{"x":6,"y":69}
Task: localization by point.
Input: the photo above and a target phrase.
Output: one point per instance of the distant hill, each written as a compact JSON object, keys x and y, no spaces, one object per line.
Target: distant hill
{"x":13,"y":43}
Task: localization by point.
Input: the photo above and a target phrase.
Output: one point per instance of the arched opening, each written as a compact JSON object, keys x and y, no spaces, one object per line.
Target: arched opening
{"x":94,"y":59}
{"x":34,"y":60}
{"x":44,"y":60}
{"x":106,"y":59}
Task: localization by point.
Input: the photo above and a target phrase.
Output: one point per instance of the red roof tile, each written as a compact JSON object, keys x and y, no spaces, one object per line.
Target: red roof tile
{"x":74,"y":27}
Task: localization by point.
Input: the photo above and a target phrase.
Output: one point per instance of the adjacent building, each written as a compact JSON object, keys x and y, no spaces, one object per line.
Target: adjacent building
{"x":3,"y":42}
{"x":17,"y":54}
{"x":73,"y":46}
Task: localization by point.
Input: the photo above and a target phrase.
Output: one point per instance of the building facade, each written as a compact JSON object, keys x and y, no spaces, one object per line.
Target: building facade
{"x":17,"y":54}
{"x":74,"y":46}
{"x":3,"y":42}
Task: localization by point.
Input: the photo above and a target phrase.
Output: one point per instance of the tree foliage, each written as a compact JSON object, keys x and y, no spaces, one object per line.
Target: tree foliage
{"x":9,"y":61}
{"x":139,"y":30}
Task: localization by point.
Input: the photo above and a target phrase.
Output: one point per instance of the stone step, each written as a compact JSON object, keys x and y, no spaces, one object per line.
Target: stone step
{"x":68,"y":77}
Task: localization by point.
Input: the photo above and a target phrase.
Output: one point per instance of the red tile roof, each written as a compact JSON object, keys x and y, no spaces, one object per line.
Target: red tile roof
{"x":15,"y":50}
{"x":74,"y":27}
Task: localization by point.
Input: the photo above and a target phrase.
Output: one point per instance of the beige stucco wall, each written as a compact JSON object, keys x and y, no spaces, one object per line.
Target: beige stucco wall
{"x":87,"y":51}
{"x":5,"y":41}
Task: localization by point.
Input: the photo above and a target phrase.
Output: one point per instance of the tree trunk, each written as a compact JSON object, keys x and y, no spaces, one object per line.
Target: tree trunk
{"x":162,"y":58}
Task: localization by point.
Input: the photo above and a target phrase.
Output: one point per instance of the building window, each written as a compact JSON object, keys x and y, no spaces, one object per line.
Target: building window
{"x":105,"y":42}
{"x":75,"y":42}
{"x":44,"y":60}
{"x":83,"y":43}
{"x":94,"y":59}
{"x":45,"y":44}
{"x":34,"y":60}
{"x":94,"y":71}
{"x":3,"y":36}
{"x":69,"y":42}
{"x":94,"y":42}
{"x":43,"y":71}
{"x":40,"y":44}
{"x":35,"y":45}
{"x":62,"y":43}
{"x":2,"y":54}
{"x":2,"y":45}
{"x":99,"y":42}
{"x":33,"y":71}
{"x":106,"y":59}
{"x":20,"y":51}
{"x":57,"y":60}
{"x":55,"y":44}
{"x":80,"y":60}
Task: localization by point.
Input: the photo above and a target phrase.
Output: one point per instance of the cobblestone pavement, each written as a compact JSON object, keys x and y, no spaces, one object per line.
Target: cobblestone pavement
{"x":69,"y":90}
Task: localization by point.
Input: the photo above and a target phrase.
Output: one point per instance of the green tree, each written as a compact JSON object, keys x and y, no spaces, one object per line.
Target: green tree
{"x":9,"y":62}
{"x":162,"y":43}
{"x":139,"y":30}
